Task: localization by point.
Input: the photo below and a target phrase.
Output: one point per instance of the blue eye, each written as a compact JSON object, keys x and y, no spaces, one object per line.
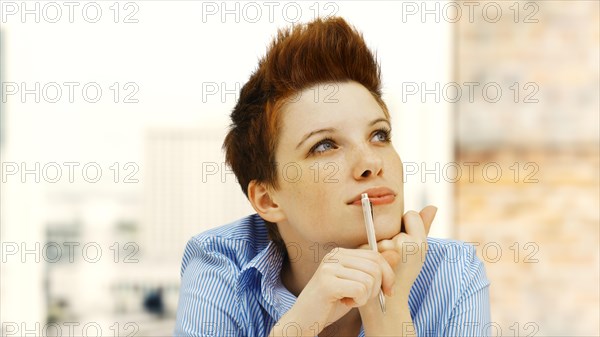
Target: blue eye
{"x":327,"y":144}
{"x":387,"y":137}
{"x":322,"y":145}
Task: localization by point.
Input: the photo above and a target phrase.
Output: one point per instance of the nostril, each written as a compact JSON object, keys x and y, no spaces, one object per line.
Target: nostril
{"x":366,"y":173}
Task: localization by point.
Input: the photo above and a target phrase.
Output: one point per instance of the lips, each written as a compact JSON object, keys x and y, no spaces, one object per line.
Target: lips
{"x":377,"y":196}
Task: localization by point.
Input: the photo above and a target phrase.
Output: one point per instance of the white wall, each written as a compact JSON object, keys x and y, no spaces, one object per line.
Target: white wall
{"x":169,"y":54}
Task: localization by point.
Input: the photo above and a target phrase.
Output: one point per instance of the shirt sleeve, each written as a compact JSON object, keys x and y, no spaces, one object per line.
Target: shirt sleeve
{"x":207,"y":303}
{"x":471,"y":314}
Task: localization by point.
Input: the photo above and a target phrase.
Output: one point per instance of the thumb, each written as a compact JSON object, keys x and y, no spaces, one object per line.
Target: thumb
{"x":427,"y":214}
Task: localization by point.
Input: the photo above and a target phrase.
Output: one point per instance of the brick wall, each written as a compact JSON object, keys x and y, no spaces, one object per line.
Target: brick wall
{"x":545,"y":221}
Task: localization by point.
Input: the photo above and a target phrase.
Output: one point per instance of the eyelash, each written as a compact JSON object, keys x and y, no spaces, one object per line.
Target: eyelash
{"x":386,"y":132}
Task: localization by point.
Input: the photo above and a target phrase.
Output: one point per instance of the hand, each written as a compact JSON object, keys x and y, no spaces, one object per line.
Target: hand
{"x":406,"y":251}
{"x":345,"y":279}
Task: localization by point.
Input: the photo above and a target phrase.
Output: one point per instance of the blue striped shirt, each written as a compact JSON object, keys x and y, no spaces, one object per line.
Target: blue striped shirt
{"x":230,"y":286}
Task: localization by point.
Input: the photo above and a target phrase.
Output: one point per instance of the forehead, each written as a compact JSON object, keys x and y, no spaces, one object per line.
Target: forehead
{"x":328,"y":105}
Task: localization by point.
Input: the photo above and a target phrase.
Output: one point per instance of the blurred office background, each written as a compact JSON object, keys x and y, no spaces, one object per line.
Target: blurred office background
{"x":106,"y":255}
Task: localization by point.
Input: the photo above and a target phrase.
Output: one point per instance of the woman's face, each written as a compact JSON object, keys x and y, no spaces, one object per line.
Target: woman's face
{"x":321,"y":172}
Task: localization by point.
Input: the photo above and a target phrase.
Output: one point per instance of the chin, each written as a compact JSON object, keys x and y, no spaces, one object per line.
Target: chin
{"x":387,"y":231}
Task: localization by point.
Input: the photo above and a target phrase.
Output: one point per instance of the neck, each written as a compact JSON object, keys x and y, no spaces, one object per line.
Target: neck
{"x":295,"y":273}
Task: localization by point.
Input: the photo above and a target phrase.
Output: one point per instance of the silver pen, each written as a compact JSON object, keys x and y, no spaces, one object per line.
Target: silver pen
{"x":368,"y":215}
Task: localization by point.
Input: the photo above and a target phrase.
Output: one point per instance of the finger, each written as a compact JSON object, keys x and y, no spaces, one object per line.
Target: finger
{"x":388,"y":250}
{"x":349,"y":302}
{"x":388,"y":277}
{"x":402,"y":240}
{"x":427,"y":214}
{"x":364,"y":265}
{"x":365,"y":246}
{"x":414,"y":224}
{"x":370,"y":282}
{"x":392,"y":257}
{"x":360,"y":253}
{"x":406,"y":246}
{"x":384,"y":245}
{"x":351,"y":293}
{"x":375,"y":265}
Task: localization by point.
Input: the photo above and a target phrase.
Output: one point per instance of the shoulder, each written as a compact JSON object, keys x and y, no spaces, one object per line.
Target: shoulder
{"x":209,"y":300}
{"x":456,"y":261}
{"x":448,"y":250}
{"x":452,"y":289}
{"x":236,"y":242}
{"x":455,"y":254}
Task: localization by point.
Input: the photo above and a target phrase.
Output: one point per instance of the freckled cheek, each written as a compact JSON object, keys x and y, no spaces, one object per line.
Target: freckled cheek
{"x":395,"y":163}
{"x":315,"y":197}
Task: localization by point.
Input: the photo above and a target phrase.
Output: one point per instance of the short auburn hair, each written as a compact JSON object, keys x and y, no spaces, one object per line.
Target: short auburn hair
{"x":301,"y":56}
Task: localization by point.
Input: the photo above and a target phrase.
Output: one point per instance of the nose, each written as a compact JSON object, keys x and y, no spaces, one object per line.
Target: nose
{"x":369,"y":163}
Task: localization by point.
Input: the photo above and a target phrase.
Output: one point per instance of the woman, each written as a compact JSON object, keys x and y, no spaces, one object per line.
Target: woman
{"x":309,"y":134}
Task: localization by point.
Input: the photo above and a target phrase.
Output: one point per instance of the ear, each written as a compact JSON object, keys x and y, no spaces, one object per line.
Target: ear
{"x":262,"y":201}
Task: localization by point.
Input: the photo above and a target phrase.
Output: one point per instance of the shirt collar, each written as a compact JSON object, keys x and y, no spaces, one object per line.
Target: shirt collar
{"x":268,"y":263}
{"x":266,"y":267}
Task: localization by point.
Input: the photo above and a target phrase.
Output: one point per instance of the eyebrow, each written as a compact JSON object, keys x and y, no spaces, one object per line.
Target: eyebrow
{"x":312,"y":133}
